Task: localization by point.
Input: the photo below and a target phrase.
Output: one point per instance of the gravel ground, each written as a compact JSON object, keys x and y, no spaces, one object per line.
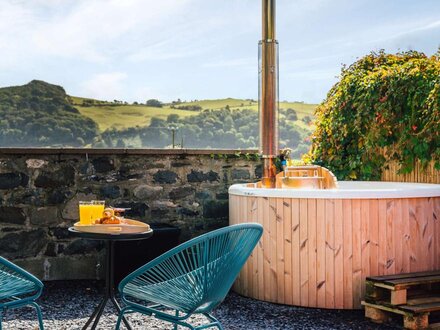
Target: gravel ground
{"x":67,"y":305}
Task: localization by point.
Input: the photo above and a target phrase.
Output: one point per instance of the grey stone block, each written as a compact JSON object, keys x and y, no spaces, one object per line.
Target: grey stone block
{"x":65,"y":176}
{"x":45,"y":216}
{"x":181,"y":192}
{"x":240,"y":174}
{"x":103,"y":164}
{"x":200,"y":176}
{"x":165,"y":176}
{"x":13,"y":180}
{"x":145,"y":191}
{"x":23,"y":244}
{"x":13,"y":215}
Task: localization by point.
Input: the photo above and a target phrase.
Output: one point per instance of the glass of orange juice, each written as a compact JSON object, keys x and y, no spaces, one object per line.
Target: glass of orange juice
{"x":97,"y":210}
{"x":90,"y":211}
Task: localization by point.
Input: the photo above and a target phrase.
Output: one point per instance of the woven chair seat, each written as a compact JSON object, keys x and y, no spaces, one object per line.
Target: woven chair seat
{"x":18,"y":288}
{"x":14,"y":286}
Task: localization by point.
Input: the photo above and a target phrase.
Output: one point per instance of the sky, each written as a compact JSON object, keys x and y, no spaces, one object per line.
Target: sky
{"x":135,"y":50}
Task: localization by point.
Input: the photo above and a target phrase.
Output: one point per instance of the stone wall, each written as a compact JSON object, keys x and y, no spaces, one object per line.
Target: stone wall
{"x":40,"y":190}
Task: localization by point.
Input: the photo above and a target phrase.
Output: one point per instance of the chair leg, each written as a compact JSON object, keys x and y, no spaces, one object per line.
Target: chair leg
{"x":214,"y":322}
{"x":175,"y":325}
{"x":39,"y":315}
{"x":121,"y":314}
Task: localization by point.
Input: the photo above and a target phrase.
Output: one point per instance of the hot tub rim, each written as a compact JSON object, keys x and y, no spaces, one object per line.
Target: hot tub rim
{"x":395,"y":190}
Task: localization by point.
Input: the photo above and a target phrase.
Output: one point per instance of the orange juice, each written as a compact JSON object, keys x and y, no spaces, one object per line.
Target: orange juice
{"x":90,"y":211}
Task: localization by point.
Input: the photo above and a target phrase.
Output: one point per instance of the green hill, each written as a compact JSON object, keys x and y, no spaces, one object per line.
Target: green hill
{"x":43,"y":115}
{"x":123,"y":116}
{"x":39,"y":114}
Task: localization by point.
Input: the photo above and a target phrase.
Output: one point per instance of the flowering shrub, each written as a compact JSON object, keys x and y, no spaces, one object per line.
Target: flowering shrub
{"x":385,"y":106}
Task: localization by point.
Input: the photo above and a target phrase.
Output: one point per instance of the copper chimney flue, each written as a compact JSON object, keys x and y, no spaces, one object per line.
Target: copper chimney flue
{"x":268,"y":94}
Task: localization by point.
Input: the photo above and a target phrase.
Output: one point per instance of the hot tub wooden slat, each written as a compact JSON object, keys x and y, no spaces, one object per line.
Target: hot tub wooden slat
{"x":382,"y":245}
{"x":329,"y":254}
{"x":397,"y":234}
{"x":405,"y":237}
{"x":422,"y":249}
{"x":280,"y":249}
{"x":273,"y":279}
{"x":356,"y":250}
{"x":390,"y":224}
{"x":374,"y":236}
{"x":365,"y":241}
{"x":431,"y":220}
{"x":348,"y":254}
{"x":296,"y":281}
{"x":413,"y":227}
{"x":253,"y":270}
{"x":266,"y":249}
{"x":436,"y":220}
{"x":311,"y":206}
{"x":303,"y":253}
{"x":261,"y":262}
{"x":320,"y":247}
{"x":339,"y":255}
{"x":287,"y":217}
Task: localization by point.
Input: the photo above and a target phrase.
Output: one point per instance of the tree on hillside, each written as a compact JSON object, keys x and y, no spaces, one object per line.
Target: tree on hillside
{"x":173,"y":118}
{"x":154,"y":103}
{"x":157,"y":122}
{"x":291,"y":114}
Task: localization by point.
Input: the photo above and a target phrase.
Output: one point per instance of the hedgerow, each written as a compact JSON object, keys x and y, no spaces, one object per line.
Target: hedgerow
{"x":385,"y":107}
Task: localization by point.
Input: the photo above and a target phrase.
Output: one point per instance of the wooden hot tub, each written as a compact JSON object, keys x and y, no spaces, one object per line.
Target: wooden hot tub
{"x":319,"y":245}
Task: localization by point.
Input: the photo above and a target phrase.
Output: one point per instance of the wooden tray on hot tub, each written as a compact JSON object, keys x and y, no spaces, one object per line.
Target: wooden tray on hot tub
{"x":303,"y":177}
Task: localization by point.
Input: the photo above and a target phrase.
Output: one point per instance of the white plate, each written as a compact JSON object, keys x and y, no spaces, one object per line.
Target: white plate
{"x":131,"y":227}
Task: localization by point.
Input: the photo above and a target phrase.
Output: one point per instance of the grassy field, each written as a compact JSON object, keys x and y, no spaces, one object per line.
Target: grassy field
{"x":125,"y":116}
{"x":302,"y":109}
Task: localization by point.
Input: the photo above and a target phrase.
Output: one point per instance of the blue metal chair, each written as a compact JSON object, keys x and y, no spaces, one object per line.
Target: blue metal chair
{"x":194,"y":277}
{"x":18,"y":288}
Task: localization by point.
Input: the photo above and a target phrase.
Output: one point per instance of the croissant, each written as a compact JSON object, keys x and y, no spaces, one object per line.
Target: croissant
{"x":109,"y":218}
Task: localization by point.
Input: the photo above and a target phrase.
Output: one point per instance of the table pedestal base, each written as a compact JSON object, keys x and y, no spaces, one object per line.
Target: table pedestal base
{"x":109,"y":291}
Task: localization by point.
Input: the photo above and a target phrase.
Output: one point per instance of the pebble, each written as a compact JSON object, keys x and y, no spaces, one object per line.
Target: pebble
{"x":66,"y":305}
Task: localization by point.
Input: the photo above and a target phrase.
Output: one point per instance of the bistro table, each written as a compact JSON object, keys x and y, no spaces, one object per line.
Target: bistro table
{"x":109,"y":294}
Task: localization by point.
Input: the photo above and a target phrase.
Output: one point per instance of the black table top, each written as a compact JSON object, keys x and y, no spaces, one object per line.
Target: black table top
{"x":111,"y":236}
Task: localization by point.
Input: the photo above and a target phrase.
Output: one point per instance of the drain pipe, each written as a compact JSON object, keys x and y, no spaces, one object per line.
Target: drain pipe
{"x":268,"y":95}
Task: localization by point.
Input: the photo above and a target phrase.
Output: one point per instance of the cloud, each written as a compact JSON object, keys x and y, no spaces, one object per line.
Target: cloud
{"x":89,"y":30}
{"x":104,"y":86}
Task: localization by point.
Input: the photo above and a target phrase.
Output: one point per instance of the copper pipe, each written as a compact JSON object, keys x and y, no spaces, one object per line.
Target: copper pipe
{"x":268,"y":20}
{"x":268,"y":94}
